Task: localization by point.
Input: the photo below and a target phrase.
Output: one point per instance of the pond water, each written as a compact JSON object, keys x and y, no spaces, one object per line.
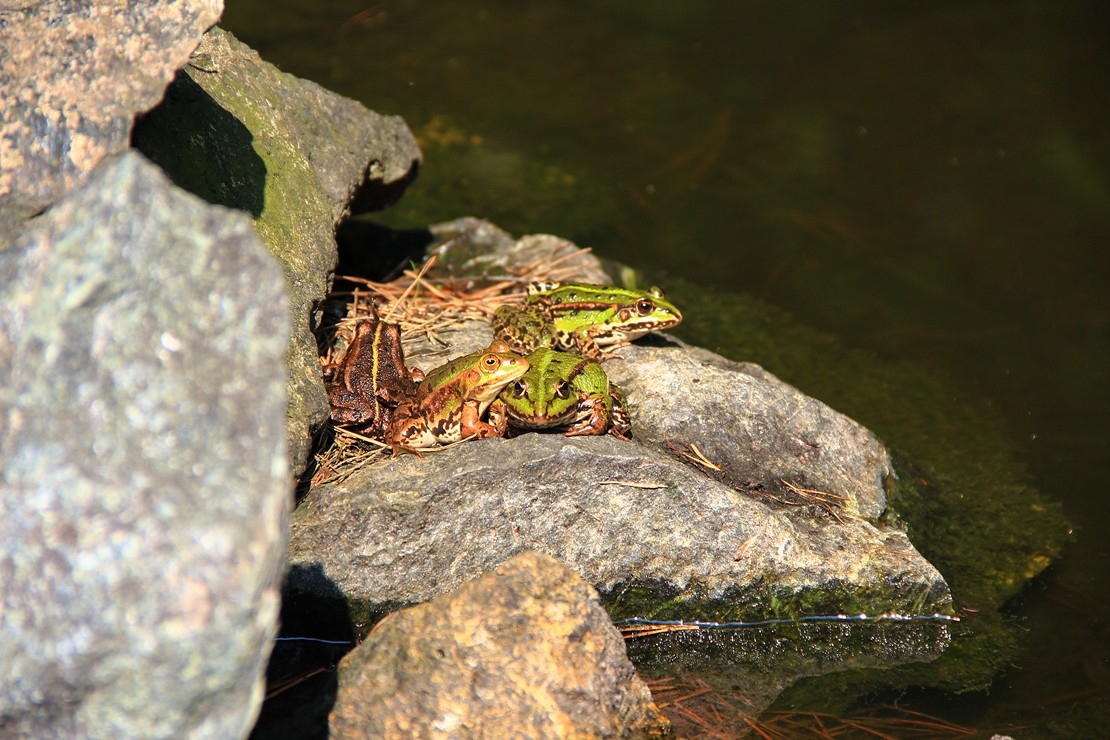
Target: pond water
{"x":929,"y":184}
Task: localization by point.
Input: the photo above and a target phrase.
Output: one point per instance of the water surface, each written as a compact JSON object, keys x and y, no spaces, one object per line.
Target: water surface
{"x":927,"y":183}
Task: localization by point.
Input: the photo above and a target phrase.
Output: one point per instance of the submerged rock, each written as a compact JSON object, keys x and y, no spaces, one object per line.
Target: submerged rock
{"x":142,"y":413}
{"x":524,"y":651}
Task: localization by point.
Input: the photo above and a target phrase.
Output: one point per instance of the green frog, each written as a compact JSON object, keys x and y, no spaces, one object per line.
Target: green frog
{"x":449,"y":404}
{"x":563,"y":390}
{"x":580,"y":317}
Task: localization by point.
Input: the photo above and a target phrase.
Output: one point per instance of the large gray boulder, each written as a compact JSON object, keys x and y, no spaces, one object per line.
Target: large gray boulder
{"x":629,"y":517}
{"x":145,"y":479}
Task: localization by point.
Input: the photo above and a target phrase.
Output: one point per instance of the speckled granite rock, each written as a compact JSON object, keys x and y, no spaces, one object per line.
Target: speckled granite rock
{"x":73,"y":77}
{"x":631,"y":517}
{"x":145,"y":478}
{"x":657,"y":535}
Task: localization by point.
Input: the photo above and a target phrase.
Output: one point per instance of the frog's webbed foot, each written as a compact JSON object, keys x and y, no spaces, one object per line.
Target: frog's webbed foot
{"x":620,"y":423}
{"x":498,"y":417}
{"x":594,"y":418}
{"x":400,"y":449}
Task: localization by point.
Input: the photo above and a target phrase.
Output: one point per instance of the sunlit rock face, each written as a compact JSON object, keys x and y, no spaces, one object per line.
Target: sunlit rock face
{"x":73,"y":78}
{"x":523,"y":651}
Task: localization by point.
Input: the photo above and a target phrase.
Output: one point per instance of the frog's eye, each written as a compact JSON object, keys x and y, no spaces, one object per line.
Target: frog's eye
{"x":562,"y":389}
{"x":644,"y":306}
{"x":520,"y":388}
{"x":491,"y":362}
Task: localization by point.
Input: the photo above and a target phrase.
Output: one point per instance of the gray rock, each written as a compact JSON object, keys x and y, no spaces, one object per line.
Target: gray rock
{"x":146,"y":485}
{"x":791,"y":524}
{"x":74,"y":76}
{"x":625,"y":516}
{"x":763,"y":433}
{"x":239,"y":132}
{"x":525,"y":651}
{"x":743,"y":529}
{"x":757,"y":428}
{"x":472,"y":247}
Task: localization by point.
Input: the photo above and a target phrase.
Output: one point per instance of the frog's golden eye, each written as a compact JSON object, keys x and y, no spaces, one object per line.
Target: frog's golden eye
{"x":491,"y":362}
{"x":644,"y":306}
{"x":520,"y":388}
{"x":562,"y":389}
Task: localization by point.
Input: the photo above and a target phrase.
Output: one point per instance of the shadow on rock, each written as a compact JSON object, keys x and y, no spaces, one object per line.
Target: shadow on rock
{"x":220,"y":165}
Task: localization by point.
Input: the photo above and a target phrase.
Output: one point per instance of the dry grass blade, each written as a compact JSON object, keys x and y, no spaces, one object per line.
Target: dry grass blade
{"x":883,"y":721}
{"x":630,"y":631}
{"x":420,"y":305}
{"x":289,"y":683}
{"x":404,"y":294}
{"x":699,"y":709}
{"x":828,"y":501}
{"x":552,"y":268}
{"x":695,"y":456}
{"x":349,"y":451}
{"x":824,"y":496}
{"x":694,"y":717}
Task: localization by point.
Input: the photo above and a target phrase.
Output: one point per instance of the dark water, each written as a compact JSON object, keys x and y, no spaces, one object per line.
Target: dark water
{"x":927,"y":182}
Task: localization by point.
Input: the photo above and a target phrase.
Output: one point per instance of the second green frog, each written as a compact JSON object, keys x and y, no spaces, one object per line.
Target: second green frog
{"x":566,"y":391}
{"x":581,"y":317}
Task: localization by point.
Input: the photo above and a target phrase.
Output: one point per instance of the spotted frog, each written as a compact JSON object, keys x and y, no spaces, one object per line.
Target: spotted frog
{"x":449,"y":404}
{"x":580,"y":317}
{"x":563,"y":390}
{"x":371,"y":380}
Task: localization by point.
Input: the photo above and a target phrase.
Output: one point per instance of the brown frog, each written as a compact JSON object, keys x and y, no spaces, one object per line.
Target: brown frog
{"x":371,"y":380}
{"x":451,"y":401}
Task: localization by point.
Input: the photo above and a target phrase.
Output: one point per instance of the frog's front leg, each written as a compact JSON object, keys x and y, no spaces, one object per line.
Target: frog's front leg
{"x":584,"y":343}
{"x":594,"y":415}
{"x":498,"y":417}
{"x":471,"y":424}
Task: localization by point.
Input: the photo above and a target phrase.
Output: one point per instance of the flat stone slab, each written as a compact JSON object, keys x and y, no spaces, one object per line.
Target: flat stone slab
{"x":620,"y":514}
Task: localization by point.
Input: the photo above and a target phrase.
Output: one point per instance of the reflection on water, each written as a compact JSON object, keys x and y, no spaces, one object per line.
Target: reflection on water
{"x":929,"y":183}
